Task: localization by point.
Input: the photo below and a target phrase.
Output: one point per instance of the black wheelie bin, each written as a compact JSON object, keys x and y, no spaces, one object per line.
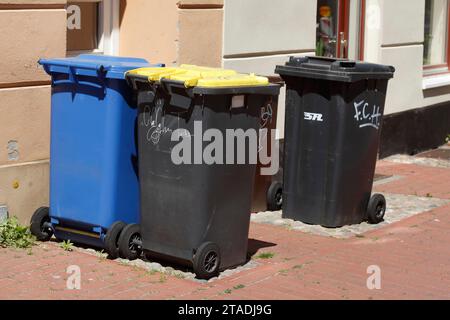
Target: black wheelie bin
{"x":334,"y":111}
{"x":193,"y":210}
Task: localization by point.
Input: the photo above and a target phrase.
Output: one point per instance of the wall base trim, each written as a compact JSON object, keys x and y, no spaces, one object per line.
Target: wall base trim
{"x":414,"y":131}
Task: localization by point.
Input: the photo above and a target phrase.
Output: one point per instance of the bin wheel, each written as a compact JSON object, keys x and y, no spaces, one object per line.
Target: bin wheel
{"x":40,"y":224}
{"x":130,"y":242}
{"x":376,"y":208}
{"x":206,"y":261}
{"x":112,"y":239}
{"x":275,"y":196}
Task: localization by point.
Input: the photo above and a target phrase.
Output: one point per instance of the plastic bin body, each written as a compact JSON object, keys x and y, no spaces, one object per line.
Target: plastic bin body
{"x":263,"y":182}
{"x":93,"y":169}
{"x":332,"y":130}
{"x":185,"y":205}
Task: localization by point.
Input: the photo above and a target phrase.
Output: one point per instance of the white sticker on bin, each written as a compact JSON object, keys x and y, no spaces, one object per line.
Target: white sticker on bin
{"x":238,"y":101}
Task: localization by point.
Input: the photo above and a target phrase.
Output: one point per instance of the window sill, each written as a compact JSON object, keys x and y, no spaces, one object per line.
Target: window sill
{"x":436,"y":81}
{"x":74,"y":53}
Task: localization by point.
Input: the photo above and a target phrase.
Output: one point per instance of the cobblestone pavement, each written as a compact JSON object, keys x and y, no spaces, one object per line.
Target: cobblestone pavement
{"x":410,"y":248}
{"x":421,"y":159}
{"x":439,"y":163}
{"x":399,"y":207}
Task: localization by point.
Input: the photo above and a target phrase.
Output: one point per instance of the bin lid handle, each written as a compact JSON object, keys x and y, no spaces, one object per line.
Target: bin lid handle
{"x":52,"y":66}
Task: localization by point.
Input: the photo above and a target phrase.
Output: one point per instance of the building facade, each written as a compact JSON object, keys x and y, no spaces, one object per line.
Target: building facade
{"x":246,"y":35}
{"x":28,"y":30}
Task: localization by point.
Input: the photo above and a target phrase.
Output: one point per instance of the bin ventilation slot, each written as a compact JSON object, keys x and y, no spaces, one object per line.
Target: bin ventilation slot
{"x":347,"y":64}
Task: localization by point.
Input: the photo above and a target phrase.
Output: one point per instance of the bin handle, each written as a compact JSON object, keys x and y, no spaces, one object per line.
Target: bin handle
{"x":100,"y":70}
{"x":48,"y":64}
{"x":179,"y":100}
{"x":71,"y":82}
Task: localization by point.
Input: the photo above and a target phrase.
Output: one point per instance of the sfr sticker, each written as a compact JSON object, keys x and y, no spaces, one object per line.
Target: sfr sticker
{"x":314,"y":116}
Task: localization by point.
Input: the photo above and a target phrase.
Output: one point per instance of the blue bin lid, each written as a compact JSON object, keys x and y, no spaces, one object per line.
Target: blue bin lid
{"x":95,"y":65}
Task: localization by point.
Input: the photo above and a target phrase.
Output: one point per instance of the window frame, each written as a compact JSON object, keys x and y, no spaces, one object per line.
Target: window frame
{"x":108,"y":28}
{"x":361,"y":19}
{"x":362,"y":29}
{"x":441,"y":68}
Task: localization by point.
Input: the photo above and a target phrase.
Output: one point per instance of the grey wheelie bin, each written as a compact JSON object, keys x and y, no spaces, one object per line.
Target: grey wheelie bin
{"x":195,"y":211}
{"x":334,"y":112}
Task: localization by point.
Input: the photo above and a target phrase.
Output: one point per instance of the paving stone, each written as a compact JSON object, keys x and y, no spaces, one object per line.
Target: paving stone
{"x":399,"y":207}
{"x":305,"y":262}
{"x":184,"y":273}
{"x":438,"y":163}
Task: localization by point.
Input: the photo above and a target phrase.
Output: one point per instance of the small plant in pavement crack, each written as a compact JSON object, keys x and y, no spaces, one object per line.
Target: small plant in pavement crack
{"x":162,"y":278}
{"x":265,"y":255}
{"x":102,"y":255}
{"x":283,"y":272}
{"x":66,"y":245}
{"x":239,"y":286}
{"x":13,"y":234}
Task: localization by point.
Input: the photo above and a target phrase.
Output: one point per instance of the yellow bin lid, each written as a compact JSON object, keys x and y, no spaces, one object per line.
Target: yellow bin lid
{"x":205,"y":77}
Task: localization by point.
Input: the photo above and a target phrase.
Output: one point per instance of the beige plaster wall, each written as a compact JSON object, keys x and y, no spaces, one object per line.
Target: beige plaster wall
{"x":24,"y":124}
{"x":172,"y":31}
{"x":24,"y":188}
{"x":200,"y":36}
{"x":27,"y":35}
{"x":31,"y":29}
{"x":148,"y":29}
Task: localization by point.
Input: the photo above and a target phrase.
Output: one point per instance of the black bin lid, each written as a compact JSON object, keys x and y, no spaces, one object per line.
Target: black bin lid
{"x":334,"y":69}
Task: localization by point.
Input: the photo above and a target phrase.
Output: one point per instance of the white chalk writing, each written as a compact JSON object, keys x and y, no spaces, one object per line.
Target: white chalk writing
{"x":155,"y":123}
{"x":367,"y":116}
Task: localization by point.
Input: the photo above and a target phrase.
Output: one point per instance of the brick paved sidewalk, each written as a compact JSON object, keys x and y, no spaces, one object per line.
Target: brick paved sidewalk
{"x":413,"y":254}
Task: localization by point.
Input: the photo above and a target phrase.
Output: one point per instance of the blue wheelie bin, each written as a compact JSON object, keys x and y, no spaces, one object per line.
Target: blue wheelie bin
{"x":94,"y":190}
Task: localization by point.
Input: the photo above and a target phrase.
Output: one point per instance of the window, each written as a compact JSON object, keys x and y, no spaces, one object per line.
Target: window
{"x":92,"y":26}
{"x":327,"y":28}
{"x":340,"y":28}
{"x":436,"y":36}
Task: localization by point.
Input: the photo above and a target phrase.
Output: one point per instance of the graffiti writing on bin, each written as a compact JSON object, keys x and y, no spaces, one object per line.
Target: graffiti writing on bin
{"x":366,"y":115}
{"x":266,"y":115}
{"x":155,"y":123}
{"x":266,"y":120}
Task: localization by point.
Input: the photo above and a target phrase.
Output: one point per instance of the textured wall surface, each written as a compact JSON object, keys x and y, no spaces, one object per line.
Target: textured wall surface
{"x":259,"y":34}
{"x":172,"y":31}
{"x":31,"y":29}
